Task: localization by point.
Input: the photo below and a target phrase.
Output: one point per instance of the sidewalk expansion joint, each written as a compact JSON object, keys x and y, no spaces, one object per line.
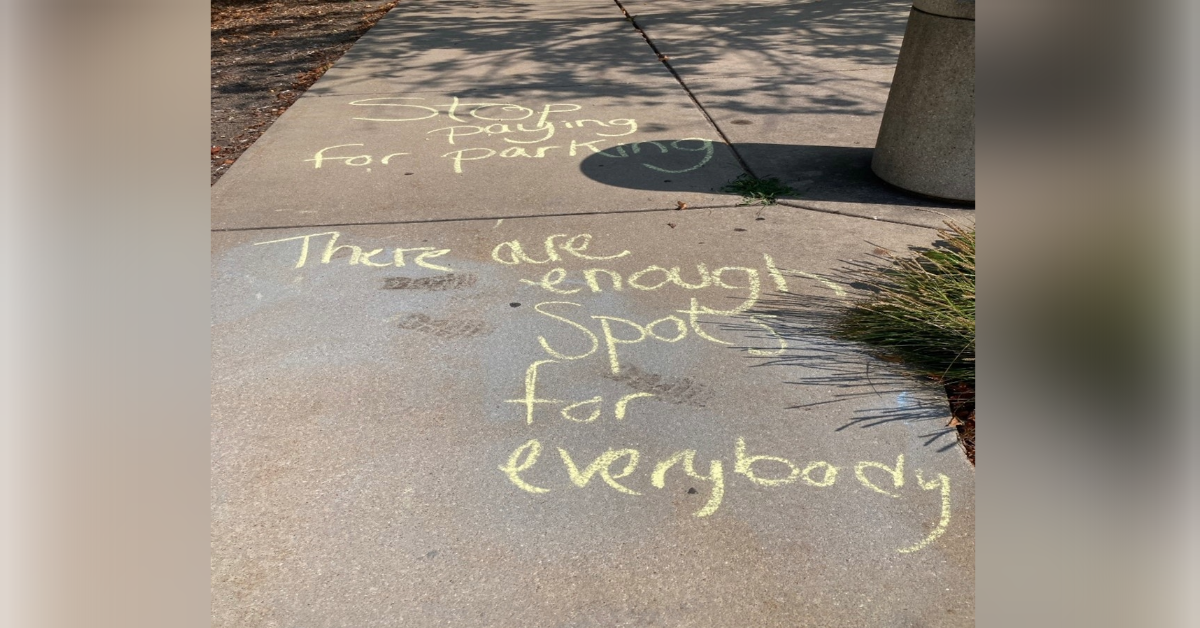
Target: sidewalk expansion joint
{"x":696,"y":101}
{"x":377,"y":223}
{"x":795,"y":205}
{"x":471,"y":218}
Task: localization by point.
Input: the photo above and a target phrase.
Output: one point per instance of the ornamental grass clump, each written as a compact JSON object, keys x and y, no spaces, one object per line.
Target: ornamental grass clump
{"x":922,"y":312}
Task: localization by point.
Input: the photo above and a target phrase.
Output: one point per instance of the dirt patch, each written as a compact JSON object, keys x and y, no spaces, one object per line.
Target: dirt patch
{"x":682,"y":390}
{"x":962,"y":419}
{"x":445,"y":328}
{"x":264,"y":54}
{"x":453,"y":281}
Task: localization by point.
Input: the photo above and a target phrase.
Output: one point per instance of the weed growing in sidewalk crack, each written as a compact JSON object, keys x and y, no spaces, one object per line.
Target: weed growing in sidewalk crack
{"x":755,"y":191}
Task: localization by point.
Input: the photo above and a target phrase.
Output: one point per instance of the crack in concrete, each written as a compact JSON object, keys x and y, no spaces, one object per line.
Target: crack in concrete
{"x":666,"y":62}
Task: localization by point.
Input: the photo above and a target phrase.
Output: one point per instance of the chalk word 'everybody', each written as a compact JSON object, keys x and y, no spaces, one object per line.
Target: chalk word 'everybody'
{"x":816,"y":474}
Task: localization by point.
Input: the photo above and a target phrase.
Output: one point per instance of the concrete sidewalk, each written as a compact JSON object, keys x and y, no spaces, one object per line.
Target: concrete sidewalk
{"x":473,"y":366}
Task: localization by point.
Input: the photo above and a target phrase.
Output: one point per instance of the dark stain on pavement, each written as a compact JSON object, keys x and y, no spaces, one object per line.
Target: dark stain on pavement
{"x":680,"y":390}
{"x":444,"y":328}
{"x":452,"y":281}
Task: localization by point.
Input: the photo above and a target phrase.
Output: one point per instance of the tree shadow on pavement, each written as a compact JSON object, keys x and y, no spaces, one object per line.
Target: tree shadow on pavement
{"x":772,"y":38}
{"x":456,"y":44}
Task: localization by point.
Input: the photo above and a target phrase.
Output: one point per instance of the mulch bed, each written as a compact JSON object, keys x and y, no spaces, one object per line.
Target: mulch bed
{"x":962,"y":411}
{"x":266,"y":53}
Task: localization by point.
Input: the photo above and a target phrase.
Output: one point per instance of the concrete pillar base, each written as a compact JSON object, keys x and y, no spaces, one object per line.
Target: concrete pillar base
{"x":927,"y":138}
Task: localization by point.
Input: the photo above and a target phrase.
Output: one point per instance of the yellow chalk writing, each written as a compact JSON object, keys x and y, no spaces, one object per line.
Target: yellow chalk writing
{"x":623,"y":403}
{"x":648,"y":279}
{"x":608,"y":466}
{"x":459,"y":156}
{"x":570,"y":416}
{"x":773,"y":271}
{"x":421,"y":257}
{"x":611,"y":341}
{"x":743,"y":465}
{"x":602,"y":465}
{"x":357,"y":256}
{"x":706,"y":146}
{"x":453,"y":131}
{"x":595,"y":342}
{"x":428,"y":112}
{"x":752,"y":284}
{"x":304,"y":246}
{"x":680,"y":329}
{"x":556,"y":108}
{"x":715,"y":475}
{"x":896,"y":472}
{"x":331,"y":249}
{"x":589,"y":275}
{"x":756,"y":319}
{"x":589,"y":145}
{"x":635,"y":280}
{"x":781,"y":283}
{"x":585,"y":240}
{"x":365,"y":259}
{"x":531,"y":450}
{"x":531,"y":399}
{"x":943,"y":483}
{"x":475,"y":108}
{"x":515,"y":151}
{"x":319,"y":158}
{"x":828,"y":479}
{"x":548,"y":128}
{"x":552,"y":278}
{"x":516,"y":254}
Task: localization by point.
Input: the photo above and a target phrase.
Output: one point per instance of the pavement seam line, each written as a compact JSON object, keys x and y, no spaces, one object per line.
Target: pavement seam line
{"x":663,"y":59}
{"x":795,"y":205}
{"x":782,"y":203}
{"x":471,"y":219}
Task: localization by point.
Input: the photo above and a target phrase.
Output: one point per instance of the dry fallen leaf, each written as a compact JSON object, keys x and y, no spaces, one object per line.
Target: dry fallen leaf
{"x":671,"y":225}
{"x":680,"y":205}
{"x":215,"y":150}
{"x":228,"y":161}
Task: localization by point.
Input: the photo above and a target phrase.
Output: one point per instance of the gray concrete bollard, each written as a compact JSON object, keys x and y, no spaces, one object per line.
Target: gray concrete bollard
{"x":927,"y":138}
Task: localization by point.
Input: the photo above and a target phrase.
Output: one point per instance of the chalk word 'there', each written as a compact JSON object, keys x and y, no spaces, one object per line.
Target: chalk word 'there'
{"x":360,"y":257}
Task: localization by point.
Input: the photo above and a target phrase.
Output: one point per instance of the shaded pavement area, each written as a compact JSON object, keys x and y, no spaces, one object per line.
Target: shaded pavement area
{"x":491,"y":347}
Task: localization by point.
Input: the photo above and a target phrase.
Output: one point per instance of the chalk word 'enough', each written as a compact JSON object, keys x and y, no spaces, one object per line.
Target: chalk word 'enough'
{"x":878,"y":477}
